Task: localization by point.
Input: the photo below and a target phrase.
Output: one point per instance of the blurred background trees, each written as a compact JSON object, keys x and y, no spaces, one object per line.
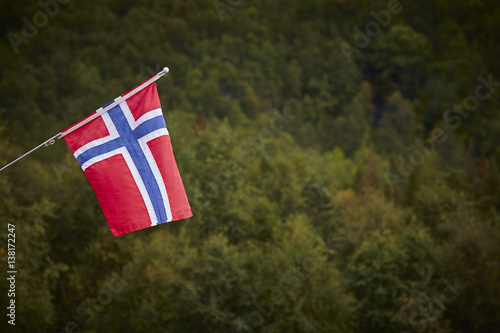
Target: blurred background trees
{"x":320,"y":202}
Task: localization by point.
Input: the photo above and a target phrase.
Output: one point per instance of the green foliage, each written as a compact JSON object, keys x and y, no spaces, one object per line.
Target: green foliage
{"x":28,"y":222}
{"x":397,"y":127}
{"x":380,"y":272}
{"x":212,"y":285}
{"x":321,"y":200}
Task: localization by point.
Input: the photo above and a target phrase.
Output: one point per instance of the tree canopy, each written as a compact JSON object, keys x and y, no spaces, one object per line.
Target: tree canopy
{"x":340,"y":157}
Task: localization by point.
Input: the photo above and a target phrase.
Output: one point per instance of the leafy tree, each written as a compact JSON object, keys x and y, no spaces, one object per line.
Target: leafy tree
{"x":379,"y":275}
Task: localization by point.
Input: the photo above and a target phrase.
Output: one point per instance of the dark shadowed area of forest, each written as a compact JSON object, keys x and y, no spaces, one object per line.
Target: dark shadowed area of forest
{"x":340,"y":157}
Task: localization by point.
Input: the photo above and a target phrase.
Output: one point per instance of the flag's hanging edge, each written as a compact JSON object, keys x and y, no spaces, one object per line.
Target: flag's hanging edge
{"x":95,"y":115}
{"x":117,"y":101}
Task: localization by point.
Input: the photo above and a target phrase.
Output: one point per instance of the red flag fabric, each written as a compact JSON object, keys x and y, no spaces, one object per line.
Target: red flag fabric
{"x":127,"y":157}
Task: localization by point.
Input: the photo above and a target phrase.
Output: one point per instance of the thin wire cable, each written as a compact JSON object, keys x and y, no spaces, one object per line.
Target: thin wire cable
{"x":96,"y":114}
{"x":47,"y":143}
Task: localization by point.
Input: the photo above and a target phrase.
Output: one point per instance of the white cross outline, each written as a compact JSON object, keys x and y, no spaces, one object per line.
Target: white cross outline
{"x":143,"y":142}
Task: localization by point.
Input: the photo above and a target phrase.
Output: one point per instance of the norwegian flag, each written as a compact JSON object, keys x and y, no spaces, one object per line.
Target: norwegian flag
{"x":127,"y":157}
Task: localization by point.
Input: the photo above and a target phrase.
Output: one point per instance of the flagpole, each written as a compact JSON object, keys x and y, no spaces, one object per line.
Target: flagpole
{"x":95,"y":115}
{"x":117,"y":101}
{"x":45,"y":144}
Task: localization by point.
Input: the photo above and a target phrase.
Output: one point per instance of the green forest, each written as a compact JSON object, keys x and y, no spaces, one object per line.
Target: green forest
{"x":341,"y":160}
